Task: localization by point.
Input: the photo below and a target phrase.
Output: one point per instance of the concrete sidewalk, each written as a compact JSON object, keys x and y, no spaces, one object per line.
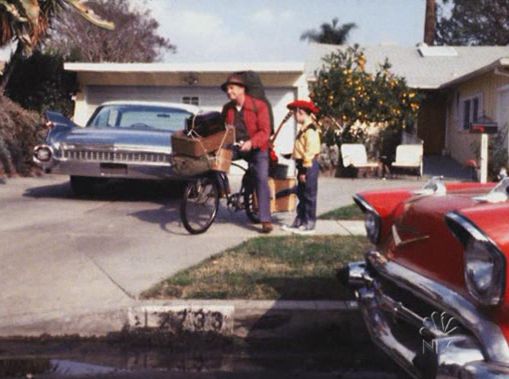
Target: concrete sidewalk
{"x":65,"y":258}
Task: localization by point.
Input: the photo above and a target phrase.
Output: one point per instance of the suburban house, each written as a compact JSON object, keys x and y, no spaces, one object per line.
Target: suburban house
{"x":461,"y":84}
{"x":197,"y":84}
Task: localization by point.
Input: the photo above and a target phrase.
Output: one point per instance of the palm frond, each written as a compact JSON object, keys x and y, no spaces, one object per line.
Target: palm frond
{"x":90,"y":15}
{"x":12,"y":11}
{"x":331,"y":33}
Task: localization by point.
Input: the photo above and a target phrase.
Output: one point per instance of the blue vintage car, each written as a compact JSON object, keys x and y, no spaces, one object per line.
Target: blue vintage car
{"x":121,"y":140}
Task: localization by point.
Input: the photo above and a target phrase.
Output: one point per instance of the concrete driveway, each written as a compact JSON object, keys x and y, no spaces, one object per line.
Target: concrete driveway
{"x":62,"y":257}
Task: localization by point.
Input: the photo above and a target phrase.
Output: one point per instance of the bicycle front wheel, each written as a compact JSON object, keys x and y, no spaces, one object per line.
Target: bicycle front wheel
{"x":199,"y":205}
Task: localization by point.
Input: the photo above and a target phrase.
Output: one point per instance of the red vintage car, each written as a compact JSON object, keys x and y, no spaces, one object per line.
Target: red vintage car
{"x":434,"y":291}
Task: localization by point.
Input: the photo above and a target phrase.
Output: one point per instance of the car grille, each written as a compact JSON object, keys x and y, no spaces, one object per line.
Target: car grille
{"x":117,"y":156}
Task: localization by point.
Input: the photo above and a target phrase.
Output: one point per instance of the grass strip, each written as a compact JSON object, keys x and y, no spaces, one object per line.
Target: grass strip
{"x":278,"y":268}
{"x":348,"y":212}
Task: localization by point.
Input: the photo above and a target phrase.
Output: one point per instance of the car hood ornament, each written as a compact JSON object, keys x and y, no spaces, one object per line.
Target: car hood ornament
{"x":499,"y":193}
{"x":434,"y":186}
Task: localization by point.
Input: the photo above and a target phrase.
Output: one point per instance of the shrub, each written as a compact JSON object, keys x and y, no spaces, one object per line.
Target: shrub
{"x":19,"y":133}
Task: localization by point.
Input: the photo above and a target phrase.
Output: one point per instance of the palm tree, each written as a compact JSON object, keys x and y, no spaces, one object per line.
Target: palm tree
{"x":27,"y":21}
{"x":330,"y":33}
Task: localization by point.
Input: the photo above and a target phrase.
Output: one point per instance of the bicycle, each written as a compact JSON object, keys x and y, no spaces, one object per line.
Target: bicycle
{"x":202,"y":194}
{"x":200,"y":202}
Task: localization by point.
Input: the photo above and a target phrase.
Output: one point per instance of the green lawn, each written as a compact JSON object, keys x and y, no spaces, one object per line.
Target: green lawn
{"x":289,"y":267}
{"x":348,"y":212}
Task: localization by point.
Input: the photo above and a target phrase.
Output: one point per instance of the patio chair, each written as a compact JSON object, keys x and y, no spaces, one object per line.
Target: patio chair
{"x":354,"y":154}
{"x":409,"y":157}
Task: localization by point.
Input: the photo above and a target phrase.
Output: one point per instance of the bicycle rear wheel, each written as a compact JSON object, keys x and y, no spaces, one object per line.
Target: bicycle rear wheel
{"x":199,"y":205}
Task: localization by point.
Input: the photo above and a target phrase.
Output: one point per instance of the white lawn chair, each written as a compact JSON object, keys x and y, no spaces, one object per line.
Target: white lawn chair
{"x":354,"y":154}
{"x":409,"y":156}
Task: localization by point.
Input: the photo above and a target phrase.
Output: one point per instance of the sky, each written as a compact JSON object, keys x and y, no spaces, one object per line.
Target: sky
{"x":264,"y":30}
{"x":270,"y":30}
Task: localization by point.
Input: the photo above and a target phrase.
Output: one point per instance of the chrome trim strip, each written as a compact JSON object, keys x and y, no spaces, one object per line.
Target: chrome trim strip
{"x":118,"y":147}
{"x":364,"y":205}
{"x":492,"y":339}
{"x":468,"y":226}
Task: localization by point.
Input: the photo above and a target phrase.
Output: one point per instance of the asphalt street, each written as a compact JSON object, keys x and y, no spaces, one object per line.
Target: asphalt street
{"x":63,"y":256}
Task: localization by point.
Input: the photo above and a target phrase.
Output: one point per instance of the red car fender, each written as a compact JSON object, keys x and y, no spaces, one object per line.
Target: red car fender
{"x":385,"y":203}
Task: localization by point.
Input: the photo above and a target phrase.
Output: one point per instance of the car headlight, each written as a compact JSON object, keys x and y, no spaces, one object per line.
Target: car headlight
{"x":484,"y":262}
{"x":372,"y":220}
{"x":43,"y":153}
{"x":484,"y":271}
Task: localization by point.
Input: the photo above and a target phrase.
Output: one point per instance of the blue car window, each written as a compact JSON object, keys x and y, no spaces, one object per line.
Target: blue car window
{"x":101,"y":118}
{"x":140,"y":117}
{"x":171,"y":120}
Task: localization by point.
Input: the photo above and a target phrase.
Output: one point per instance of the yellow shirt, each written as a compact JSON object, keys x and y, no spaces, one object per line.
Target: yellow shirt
{"x":307,"y":145}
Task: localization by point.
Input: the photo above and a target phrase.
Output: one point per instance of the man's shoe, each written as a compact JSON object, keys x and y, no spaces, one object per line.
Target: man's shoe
{"x":266,"y":227}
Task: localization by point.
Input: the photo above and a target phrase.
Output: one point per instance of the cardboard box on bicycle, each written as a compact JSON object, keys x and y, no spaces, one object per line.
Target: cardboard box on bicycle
{"x":197,"y":146}
{"x":185,"y":165}
{"x":222,"y":160}
{"x":287,"y":199}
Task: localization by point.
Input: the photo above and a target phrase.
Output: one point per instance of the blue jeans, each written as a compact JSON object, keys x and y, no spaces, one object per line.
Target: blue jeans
{"x":307,"y":193}
{"x":259,"y":166}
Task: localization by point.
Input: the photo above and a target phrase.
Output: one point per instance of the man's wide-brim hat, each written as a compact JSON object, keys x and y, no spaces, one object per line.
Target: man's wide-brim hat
{"x":303,"y":104}
{"x":233,"y":79}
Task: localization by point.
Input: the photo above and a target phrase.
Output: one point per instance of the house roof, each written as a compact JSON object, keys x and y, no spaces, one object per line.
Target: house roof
{"x":211,"y":67}
{"x":424,"y":67}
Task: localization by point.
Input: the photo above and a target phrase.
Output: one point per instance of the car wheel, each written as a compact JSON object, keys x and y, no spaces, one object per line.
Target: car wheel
{"x":83,"y":185}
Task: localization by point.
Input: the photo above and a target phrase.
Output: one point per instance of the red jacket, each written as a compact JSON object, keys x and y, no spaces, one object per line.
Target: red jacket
{"x":256,"y":119}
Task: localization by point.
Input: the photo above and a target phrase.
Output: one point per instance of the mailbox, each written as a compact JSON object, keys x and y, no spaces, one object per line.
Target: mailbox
{"x":484,"y":127}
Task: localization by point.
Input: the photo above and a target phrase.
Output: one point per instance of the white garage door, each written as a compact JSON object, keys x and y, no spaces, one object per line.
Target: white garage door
{"x":208,"y":98}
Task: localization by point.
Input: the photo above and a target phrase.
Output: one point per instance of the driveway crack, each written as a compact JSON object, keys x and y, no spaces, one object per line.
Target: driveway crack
{"x":130,"y":295}
{"x":101,"y":269}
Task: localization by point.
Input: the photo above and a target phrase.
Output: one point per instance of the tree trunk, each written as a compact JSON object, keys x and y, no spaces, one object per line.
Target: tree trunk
{"x":429,"y":22}
{"x":18,"y":53}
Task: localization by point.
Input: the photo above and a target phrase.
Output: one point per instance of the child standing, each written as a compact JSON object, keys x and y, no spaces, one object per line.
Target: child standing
{"x":305,"y":153}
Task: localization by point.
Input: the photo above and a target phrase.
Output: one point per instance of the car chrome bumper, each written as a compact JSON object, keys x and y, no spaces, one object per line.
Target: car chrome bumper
{"x":129,"y":170}
{"x":482,"y":352}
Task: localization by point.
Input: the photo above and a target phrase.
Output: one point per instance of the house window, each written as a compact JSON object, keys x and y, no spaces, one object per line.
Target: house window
{"x":470,"y":110}
{"x":193,"y":100}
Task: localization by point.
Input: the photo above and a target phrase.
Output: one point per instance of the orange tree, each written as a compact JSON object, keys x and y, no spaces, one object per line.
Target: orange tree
{"x":352,"y":99}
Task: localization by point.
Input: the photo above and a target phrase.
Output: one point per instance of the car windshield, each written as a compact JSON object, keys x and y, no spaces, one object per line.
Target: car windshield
{"x":139,"y":117}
